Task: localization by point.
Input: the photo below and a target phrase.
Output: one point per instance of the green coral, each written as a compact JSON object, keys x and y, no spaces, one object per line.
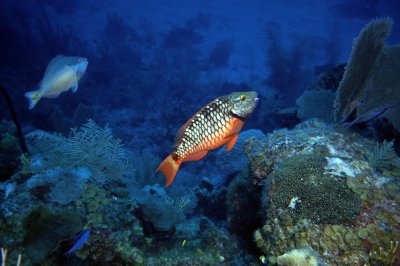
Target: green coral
{"x":300,"y":186}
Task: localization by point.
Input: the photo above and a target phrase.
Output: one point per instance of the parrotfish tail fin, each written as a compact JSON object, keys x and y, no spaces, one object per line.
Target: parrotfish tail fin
{"x":169,"y":167}
{"x":33,"y":98}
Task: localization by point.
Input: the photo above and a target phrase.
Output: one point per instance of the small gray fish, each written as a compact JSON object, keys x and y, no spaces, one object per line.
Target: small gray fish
{"x":62,"y":74}
{"x":372,"y":114}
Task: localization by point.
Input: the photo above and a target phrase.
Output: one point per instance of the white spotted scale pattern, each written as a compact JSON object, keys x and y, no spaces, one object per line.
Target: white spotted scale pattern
{"x":206,"y":129}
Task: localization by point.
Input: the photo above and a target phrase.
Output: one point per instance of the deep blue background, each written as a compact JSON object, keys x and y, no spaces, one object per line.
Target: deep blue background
{"x":152,"y":64}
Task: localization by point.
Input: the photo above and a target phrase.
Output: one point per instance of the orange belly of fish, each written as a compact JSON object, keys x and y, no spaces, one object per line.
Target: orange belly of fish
{"x":226,"y":135}
{"x":211,"y":143}
{"x":221,"y":137}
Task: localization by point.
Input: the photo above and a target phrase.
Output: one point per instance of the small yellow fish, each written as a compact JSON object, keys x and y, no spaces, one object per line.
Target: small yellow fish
{"x":183,"y":242}
{"x":62,"y":73}
{"x":216,"y":124}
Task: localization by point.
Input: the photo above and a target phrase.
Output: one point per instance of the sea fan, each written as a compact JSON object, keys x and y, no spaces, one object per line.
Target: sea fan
{"x":90,"y":146}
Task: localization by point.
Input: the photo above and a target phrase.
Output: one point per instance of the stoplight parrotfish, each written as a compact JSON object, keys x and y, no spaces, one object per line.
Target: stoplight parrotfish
{"x":216,"y":124}
{"x":62,"y":74}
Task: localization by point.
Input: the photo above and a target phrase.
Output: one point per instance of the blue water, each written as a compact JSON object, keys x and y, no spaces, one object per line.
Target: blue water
{"x":91,"y":156}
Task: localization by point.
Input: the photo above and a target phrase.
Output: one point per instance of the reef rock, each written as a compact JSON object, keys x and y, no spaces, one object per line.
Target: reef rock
{"x":298,"y":257}
{"x":322,"y":190}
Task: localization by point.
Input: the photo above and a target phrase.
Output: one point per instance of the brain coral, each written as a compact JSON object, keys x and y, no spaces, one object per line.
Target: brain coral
{"x":300,"y":187}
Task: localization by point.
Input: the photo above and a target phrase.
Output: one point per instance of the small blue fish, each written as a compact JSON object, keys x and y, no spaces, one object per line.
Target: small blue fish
{"x":385,"y":227}
{"x":62,"y":74}
{"x":79,"y":240}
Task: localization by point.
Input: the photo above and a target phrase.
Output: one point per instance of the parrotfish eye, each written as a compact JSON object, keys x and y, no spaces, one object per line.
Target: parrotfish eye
{"x":242,"y":97}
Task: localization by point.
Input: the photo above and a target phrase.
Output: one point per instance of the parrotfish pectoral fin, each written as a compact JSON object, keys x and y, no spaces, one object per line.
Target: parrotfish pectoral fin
{"x":231,"y":142}
{"x":74,"y":88}
{"x":195,"y":156}
{"x":33,"y":98}
{"x":169,"y":167}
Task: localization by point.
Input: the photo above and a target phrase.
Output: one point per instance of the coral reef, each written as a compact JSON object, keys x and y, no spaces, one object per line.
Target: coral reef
{"x":157,"y":209}
{"x":65,"y":185}
{"x":365,"y":230}
{"x":128,"y":223}
{"x":299,"y":257}
{"x":300,"y":187}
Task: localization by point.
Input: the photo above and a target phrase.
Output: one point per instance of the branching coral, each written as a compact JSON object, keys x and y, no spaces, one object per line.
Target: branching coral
{"x":90,"y":146}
